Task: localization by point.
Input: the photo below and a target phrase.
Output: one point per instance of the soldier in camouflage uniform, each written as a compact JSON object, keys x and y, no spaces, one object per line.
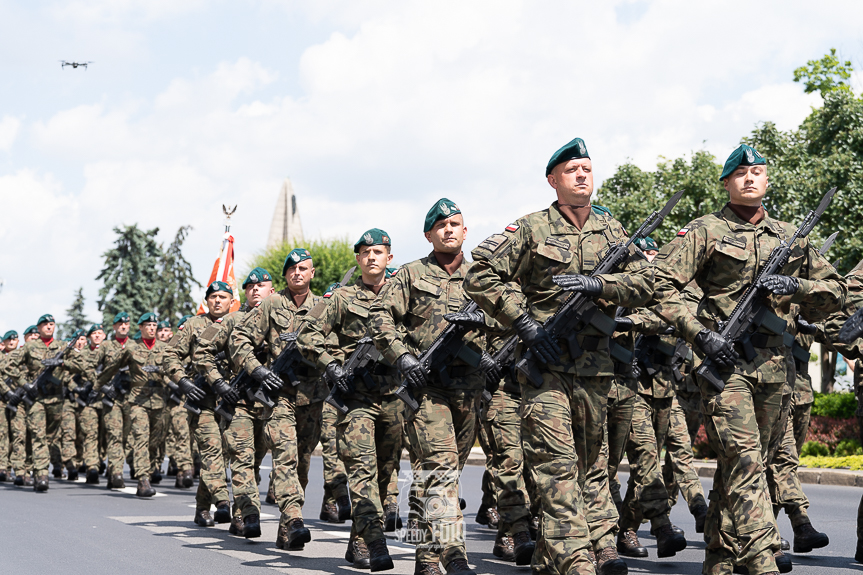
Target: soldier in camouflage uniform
{"x":9,"y":343}
{"x":204,"y":426}
{"x":178,"y":441}
{"x":294,"y":426}
{"x":89,"y":416}
{"x":369,"y":433}
{"x":244,"y":433}
{"x":21,"y":452}
{"x":723,"y":253}
{"x":44,"y":417}
{"x":407,"y":316}
{"x":336,"y":506}
{"x":563,"y":419}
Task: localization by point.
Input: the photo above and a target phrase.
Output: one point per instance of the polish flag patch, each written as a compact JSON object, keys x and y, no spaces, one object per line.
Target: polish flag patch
{"x":511,"y":228}
{"x":329,"y":294}
{"x":682,"y":232}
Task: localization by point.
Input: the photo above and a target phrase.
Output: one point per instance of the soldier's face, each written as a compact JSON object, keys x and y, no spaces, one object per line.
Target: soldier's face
{"x":81,"y":342}
{"x":31,"y":336}
{"x":650,"y":254}
{"x":747,"y":185}
{"x":121,"y":328}
{"x":447,"y":236}
{"x":256,"y":293}
{"x":573,"y":181}
{"x":148,"y":329}
{"x":373,"y":260}
{"x":97,"y":337}
{"x":11,"y":344}
{"x":299,"y":277}
{"x":46,"y":330}
{"x":164,"y":334}
{"x":218,"y":303}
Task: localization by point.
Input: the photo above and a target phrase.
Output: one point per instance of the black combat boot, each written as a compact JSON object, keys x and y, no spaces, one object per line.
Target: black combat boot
{"x":3,"y":475}
{"x":462,"y":504}
{"x":393,"y":521}
{"x":504,"y":547}
{"x":223,"y":512}
{"x":71,"y":472}
{"x":668,"y":543}
{"x":806,"y":539}
{"x":487,"y":516}
{"x":57,"y":471}
{"x":282,"y":536}
{"x":144,"y":488}
{"x":783,"y":562}
{"x":298,"y":535}
{"x":271,"y":495}
{"x":784,"y":544}
{"x":330,"y":513}
{"x":156,"y":476}
{"x":523,"y":547}
{"x":427,"y":569}
{"x":379,"y":555}
{"x":203,"y":518}
{"x":117,"y":481}
{"x":93,"y":476}
{"x":699,"y":512}
{"x":252,"y":526}
{"x":188,"y":479}
{"x":29,"y":480}
{"x":678,"y":530}
{"x":358,"y":554}
{"x":459,"y":565}
{"x":19,"y":481}
{"x":628,"y":544}
{"x":858,"y":554}
{"x":41,"y":485}
{"x":608,"y":562}
{"x":172,"y":468}
{"x":237,"y":525}
{"x":344,"y":504}
{"x":533,"y":527}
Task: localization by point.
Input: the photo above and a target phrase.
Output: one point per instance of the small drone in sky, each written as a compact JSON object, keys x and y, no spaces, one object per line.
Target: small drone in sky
{"x":64,"y":63}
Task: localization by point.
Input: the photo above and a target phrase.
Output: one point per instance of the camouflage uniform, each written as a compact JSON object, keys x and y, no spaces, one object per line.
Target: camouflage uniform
{"x":489,"y":500}
{"x":145,"y":403}
{"x":335,"y":475}
{"x":564,"y":419}
{"x":87,"y":418}
{"x":294,"y":427}
{"x":204,"y":427}
{"x":178,"y":441}
{"x":678,"y":472}
{"x":405,"y":318}
{"x":723,"y":254}
{"x":5,"y":430}
{"x":621,"y":400}
{"x":20,"y":452}
{"x":369,"y":434}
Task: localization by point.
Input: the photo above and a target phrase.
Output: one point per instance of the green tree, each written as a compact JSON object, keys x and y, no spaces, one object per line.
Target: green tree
{"x":130,"y":274}
{"x":632,"y":194}
{"x":77,"y":319}
{"x":332,"y":258}
{"x":825,"y":75}
{"x":176,"y":281}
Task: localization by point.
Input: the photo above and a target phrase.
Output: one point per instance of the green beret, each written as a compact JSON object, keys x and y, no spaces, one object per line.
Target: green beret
{"x":390,"y":272}
{"x":47,"y":318}
{"x":743,"y":156}
{"x":296,"y":256}
{"x":121,"y":317}
{"x":77,"y":333}
{"x":149,"y":316}
{"x":95,"y":327}
{"x":164,"y":323}
{"x":11,"y":334}
{"x":646,"y":244}
{"x":218,"y":286}
{"x":574,"y":150}
{"x":373,"y":237}
{"x":137,"y":336}
{"x":183,"y":319}
{"x":256,"y":276}
{"x":442,"y":210}
{"x":31,"y":329}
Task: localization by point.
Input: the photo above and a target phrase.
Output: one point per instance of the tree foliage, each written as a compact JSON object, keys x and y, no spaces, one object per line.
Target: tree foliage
{"x":825,"y":75}
{"x":176,"y":281}
{"x":332,"y":258}
{"x":77,"y":319}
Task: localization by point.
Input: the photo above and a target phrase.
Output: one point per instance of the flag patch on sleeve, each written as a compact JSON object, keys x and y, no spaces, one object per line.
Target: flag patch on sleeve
{"x":682,"y":232}
{"x":511,"y":228}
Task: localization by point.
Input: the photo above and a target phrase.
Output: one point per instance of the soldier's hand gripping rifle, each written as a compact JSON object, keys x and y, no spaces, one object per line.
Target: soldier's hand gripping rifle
{"x":753,"y":311}
{"x":117,"y":388}
{"x":579,"y":310}
{"x":359,"y":365}
{"x":27,"y":392}
{"x":448,"y":346}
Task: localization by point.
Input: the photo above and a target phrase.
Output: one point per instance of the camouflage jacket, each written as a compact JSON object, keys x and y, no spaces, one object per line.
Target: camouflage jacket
{"x":333,"y":336}
{"x":408,"y":313}
{"x":541,"y":245}
{"x":90,"y":365}
{"x":211,"y":342}
{"x":145,"y":389}
{"x":177,"y":358}
{"x":723,"y":255}
{"x":829,"y":331}
{"x":660,"y":351}
{"x":6,"y":359}
{"x":276,"y":315}
{"x":30,"y":366}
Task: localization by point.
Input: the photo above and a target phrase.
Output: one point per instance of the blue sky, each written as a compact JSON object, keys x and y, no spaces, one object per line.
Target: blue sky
{"x":374,"y":109}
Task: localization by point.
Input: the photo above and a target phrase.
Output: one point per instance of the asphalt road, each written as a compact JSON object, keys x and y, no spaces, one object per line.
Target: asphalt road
{"x":78,"y":528}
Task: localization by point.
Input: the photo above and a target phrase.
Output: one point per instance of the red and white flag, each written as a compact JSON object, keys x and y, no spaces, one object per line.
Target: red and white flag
{"x":223,"y":270}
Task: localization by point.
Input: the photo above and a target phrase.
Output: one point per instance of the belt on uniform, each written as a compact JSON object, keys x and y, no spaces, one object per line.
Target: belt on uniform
{"x":460,"y":370}
{"x":303,"y":371}
{"x":764,"y":340}
{"x":593,"y":343}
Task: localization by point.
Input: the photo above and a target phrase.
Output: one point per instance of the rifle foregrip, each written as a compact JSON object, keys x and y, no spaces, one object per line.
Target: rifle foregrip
{"x":708,"y":371}
{"x":335,"y":400}
{"x":404,"y":393}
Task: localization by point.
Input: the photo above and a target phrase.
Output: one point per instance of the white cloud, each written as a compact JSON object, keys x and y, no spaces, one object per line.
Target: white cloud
{"x":9,"y":127}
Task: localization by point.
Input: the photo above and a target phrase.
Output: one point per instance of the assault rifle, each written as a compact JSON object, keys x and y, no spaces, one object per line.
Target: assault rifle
{"x":579,"y":310}
{"x":753,"y":311}
{"x":119,"y":383}
{"x":446,"y":347}
{"x":358,"y":366}
{"x":27,"y":392}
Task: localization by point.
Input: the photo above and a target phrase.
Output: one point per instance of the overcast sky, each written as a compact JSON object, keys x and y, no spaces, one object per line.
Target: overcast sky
{"x":373,"y":109}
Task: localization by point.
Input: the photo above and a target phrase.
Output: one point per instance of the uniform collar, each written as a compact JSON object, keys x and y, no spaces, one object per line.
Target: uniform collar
{"x":289,"y":300}
{"x":738,"y":224}
{"x":559,"y":225}
{"x":438,"y":269}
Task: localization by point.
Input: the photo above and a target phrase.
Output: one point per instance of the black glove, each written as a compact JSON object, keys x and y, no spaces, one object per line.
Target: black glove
{"x":623,"y":324}
{"x":468,"y":319}
{"x":80,"y":389}
{"x":537,"y":339}
{"x":268,"y":380}
{"x":412,"y":370}
{"x":109,"y":392}
{"x":779,"y":285}
{"x":580,"y":283}
{"x":52,"y":362}
{"x":717,"y":348}
{"x":490,"y":368}
{"x":192,"y":391}
{"x":151,"y":368}
{"x":13,"y":399}
{"x":226,"y":392}
{"x":805,"y":327}
{"x":337,"y":377}
{"x":8,"y":396}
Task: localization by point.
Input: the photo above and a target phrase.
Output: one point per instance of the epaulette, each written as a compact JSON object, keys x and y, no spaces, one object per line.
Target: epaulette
{"x":599,"y":210}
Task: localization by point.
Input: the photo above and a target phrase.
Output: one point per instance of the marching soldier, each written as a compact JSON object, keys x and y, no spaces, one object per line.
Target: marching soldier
{"x":723,"y":253}
{"x":164,"y":332}
{"x":7,"y":345}
{"x":178,"y":442}
{"x":563,"y":418}
{"x":21,"y":456}
{"x":294,"y":427}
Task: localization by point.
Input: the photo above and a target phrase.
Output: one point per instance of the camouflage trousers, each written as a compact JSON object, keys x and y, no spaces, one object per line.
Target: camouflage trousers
{"x":678,"y":473}
{"x":68,"y":432}
{"x":178,"y":442}
{"x":292,"y":433}
{"x":562,"y":431}
{"x":369,"y":443}
{"x":441,"y":432}
{"x":213,"y":487}
{"x":243,"y":438}
{"x":691,"y":405}
{"x":487,"y":485}
{"x":114,"y":422}
{"x":800,"y":414}
{"x":44,"y":421}
{"x":147,"y":429}
{"x":740,"y":526}
{"x":514,"y":488}
{"x":786,"y":492}
{"x":619,"y":423}
{"x":87,"y":438}
{"x":20,"y":451}
{"x":599,"y":508}
{"x":5,"y":443}
{"x":646,"y":496}
{"x":335,"y":476}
